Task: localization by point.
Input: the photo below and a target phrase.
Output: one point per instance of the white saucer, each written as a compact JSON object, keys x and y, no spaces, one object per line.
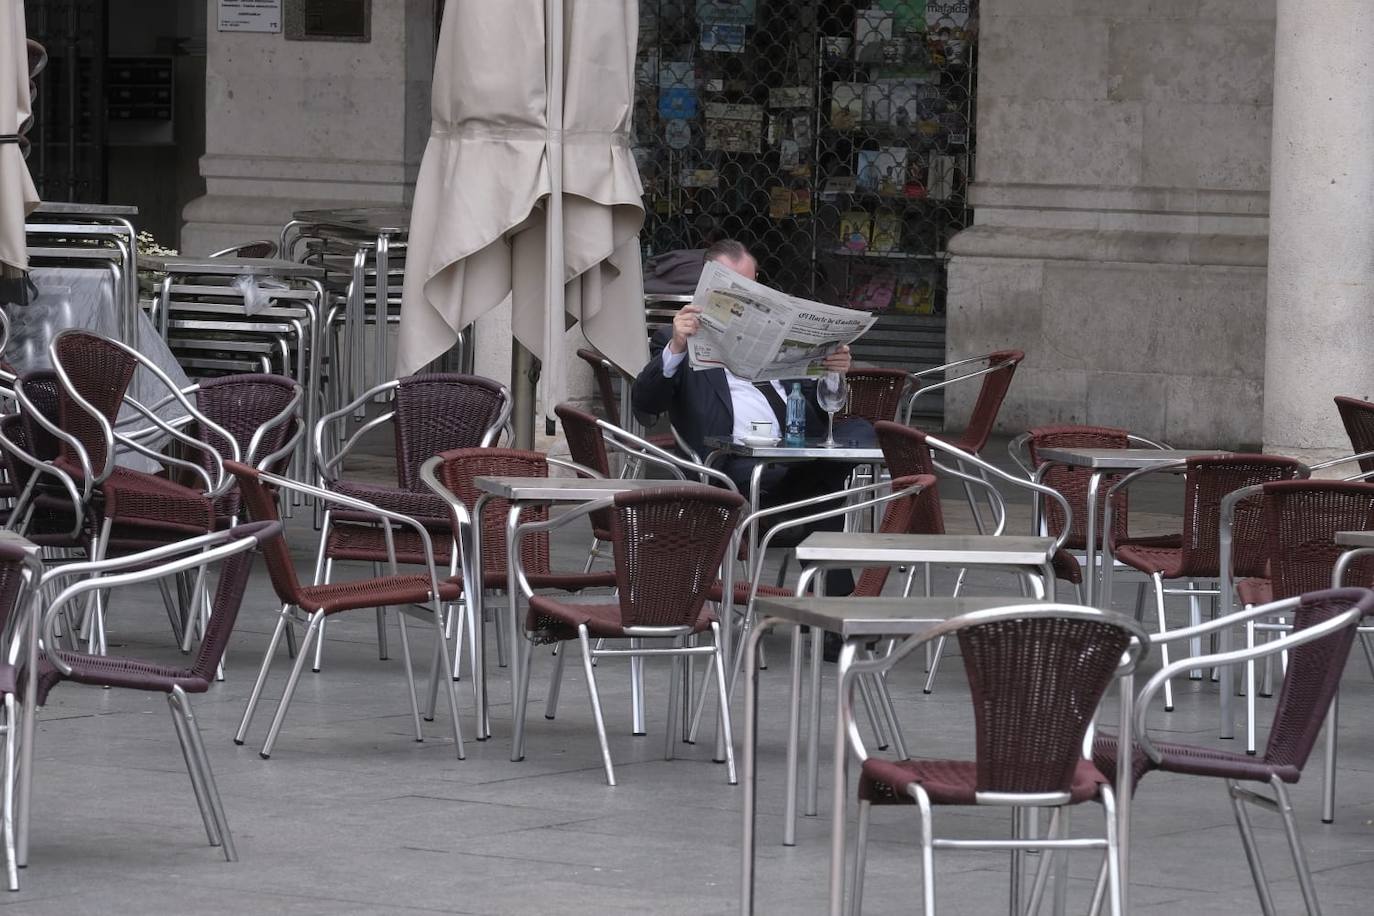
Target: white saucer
{"x":760,"y":441}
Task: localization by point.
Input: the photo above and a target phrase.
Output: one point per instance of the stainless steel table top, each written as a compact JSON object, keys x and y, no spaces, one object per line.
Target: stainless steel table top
{"x":860,"y":548}
{"x":565,"y":489}
{"x":370,"y":220}
{"x":1355,"y":538}
{"x":1122,"y":459}
{"x":861,"y":617}
{"x":66,"y":208}
{"x":812,"y":449}
{"x":232,"y":267}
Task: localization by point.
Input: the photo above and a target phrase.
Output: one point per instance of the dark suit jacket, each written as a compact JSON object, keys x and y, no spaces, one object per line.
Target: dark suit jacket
{"x":697,"y":401}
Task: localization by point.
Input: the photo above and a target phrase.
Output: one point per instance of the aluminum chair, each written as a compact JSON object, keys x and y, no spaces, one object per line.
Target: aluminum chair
{"x":451,"y":475}
{"x":307,"y":605}
{"x":668,"y":544}
{"x":876,"y":394}
{"x":20,"y":572}
{"x":56,"y":666}
{"x":1029,"y":735}
{"x":430,"y":413}
{"x":1358,"y":418}
{"x":262,"y":248}
{"x":1317,"y":649}
{"x":1196,"y":554}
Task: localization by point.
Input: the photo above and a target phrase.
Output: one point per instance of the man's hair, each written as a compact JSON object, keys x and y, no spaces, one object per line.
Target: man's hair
{"x":727,"y":250}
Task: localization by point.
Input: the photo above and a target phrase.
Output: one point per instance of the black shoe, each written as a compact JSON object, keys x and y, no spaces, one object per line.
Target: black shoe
{"x":830,"y":649}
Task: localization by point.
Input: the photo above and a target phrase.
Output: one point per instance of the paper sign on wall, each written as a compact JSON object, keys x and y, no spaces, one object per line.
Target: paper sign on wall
{"x":250,"y":15}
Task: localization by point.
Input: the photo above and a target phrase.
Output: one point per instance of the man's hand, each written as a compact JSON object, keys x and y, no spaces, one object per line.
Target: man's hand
{"x":685,"y":324}
{"x":839,"y":360}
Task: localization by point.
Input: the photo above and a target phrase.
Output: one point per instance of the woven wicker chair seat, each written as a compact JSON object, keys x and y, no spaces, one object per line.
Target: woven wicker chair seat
{"x":382,"y":592}
{"x":950,"y":782}
{"x":426,"y":507}
{"x":1255,"y":590}
{"x":563,"y":581}
{"x":741,"y":590}
{"x":1193,"y":761}
{"x":367,"y":543}
{"x":1163,"y":555}
{"x":113,"y":671}
{"x":551,"y":619}
{"x":138,"y":500}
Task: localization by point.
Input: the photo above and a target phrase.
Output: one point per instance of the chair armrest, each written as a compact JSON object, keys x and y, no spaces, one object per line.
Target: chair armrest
{"x":1109,"y":511}
{"x":526,"y":528}
{"x":386,"y":516}
{"x":193,"y":553}
{"x":1033,"y":486}
{"x":326,"y":465}
{"x":21,"y":504}
{"x":628,"y":442}
{"x":1272,"y":647}
{"x":88,"y":479}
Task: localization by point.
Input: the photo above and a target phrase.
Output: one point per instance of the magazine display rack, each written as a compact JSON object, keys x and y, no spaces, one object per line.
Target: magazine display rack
{"x":836,"y":139}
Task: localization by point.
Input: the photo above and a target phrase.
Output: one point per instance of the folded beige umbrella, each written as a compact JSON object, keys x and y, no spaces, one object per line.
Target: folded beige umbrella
{"x":486,"y":222}
{"x":17,"y":194}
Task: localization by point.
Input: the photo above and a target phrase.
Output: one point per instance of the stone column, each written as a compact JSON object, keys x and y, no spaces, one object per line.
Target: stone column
{"x":301,"y":124}
{"x":1320,"y":313}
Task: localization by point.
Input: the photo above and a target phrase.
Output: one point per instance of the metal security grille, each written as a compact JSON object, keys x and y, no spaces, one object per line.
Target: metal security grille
{"x":68,"y":158}
{"x":835,"y":139}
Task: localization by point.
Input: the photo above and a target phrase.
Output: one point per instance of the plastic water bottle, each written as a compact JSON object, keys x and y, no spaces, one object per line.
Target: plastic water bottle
{"x":796,"y":416}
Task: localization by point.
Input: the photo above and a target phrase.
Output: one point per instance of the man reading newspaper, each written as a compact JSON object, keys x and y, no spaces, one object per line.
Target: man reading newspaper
{"x":707,"y":402}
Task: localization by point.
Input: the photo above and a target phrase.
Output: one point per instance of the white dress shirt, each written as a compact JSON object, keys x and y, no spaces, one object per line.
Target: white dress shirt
{"x":747,"y":402}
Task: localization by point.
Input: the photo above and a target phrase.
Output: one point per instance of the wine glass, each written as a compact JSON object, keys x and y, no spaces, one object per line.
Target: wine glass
{"x":832,"y":392}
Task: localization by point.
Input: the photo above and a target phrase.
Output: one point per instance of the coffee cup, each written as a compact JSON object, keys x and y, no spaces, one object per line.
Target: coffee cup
{"x":761,"y":428}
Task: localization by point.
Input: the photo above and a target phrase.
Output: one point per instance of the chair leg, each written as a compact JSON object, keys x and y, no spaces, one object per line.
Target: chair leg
{"x":1290,"y":828}
{"x":674,"y":694}
{"x":324,"y":574}
{"x":1042,"y":871}
{"x":637,"y":726}
{"x":1194,"y":619}
{"x":555,"y":685}
{"x":927,"y":853}
{"x":724,"y":692}
{"x":312,"y":632}
{"x":410,"y":675}
{"x":1247,"y":839}
{"x":585,"y":639}
{"x":382,"y":654}
{"x":197,"y":784}
{"x":522,"y":701}
{"x":283,"y":625}
{"x":1163,"y":647}
{"x":1250,"y":746}
{"x":11,"y":733}
{"x":1329,"y":762}
{"x":856,"y":896}
{"x":178,"y":696}
{"x":934,"y":664}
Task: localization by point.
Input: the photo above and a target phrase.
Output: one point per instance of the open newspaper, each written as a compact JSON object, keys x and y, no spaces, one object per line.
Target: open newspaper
{"x":760,"y":334}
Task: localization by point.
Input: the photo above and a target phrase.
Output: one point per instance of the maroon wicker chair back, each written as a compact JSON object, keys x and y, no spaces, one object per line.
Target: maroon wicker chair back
{"x":1358,"y":417}
{"x":243,"y":404}
{"x":1072,"y":482}
{"x":457,"y":470}
{"x":43,"y":390}
{"x":1302,"y":518}
{"x":587,"y":447}
{"x":1310,"y":683}
{"x":906,"y":454}
{"x":990,"y":397}
{"x":875,"y":394}
{"x":902,"y":516}
{"x":100,"y":372}
{"x":1035,"y":684}
{"x":1207,"y":480}
{"x":669,"y":543}
{"x":605,"y":384}
{"x":437,"y":412}
{"x":11,"y":581}
{"x":260,"y":504}
{"x":233,"y":580}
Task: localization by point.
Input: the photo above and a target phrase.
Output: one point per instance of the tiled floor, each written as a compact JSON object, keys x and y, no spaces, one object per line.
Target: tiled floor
{"x":351,"y":815}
